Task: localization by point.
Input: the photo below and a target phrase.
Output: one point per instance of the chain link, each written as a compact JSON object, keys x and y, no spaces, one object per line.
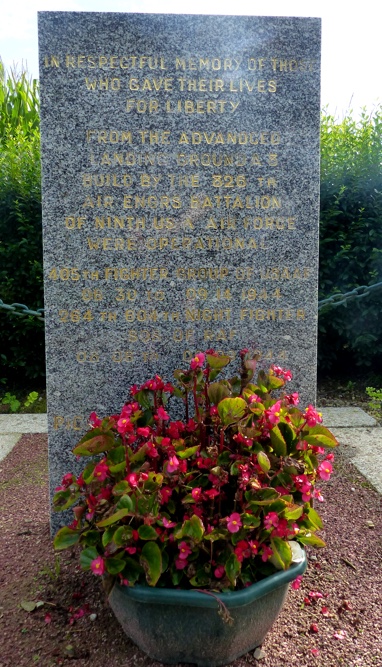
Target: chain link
{"x":21,"y":310}
{"x":340,"y":299}
{"x":332,"y":301}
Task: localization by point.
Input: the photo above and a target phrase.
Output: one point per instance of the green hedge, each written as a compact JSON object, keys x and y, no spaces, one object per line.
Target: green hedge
{"x":351,"y":240}
{"x":21,"y":338}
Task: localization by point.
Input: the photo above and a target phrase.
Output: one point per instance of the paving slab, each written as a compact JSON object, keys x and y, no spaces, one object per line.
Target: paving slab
{"x":349,"y":417}
{"x":7,"y":443}
{"x":363,"y":446}
{"x":26,"y":423}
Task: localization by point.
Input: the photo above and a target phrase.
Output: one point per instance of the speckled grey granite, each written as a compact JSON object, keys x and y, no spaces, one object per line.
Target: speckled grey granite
{"x":180,"y":200}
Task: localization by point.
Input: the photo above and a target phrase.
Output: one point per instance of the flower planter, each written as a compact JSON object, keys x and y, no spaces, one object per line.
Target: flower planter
{"x":173,"y":625}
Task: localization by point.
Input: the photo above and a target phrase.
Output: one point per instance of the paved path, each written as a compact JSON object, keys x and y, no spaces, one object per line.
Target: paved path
{"x":359,"y":435}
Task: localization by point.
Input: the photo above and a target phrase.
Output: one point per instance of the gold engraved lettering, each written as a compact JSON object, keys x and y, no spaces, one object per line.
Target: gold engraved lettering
{"x":152,"y":202}
{"x":202,"y":273}
{"x":122,"y":356}
{"x":73,"y":222}
{"x":75,"y":423}
{"x":141,"y":315}
{"x":207,"y":314}
{"x":139,"y":273}
{"x":51,"y":61}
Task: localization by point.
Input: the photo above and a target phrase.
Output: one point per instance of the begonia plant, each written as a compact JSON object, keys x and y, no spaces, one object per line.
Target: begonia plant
{"x":216,"y":500}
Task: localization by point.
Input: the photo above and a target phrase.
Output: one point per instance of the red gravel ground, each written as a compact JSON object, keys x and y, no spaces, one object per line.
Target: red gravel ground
{"x":74,"y":625}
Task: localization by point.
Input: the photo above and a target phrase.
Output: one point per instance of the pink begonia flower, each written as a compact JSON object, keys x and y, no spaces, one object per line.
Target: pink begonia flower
{"x":234,"y":522}
{"x":242,"y":550}
{"x":254,"y":398}
{"x":219,"y":571}
{"x":167,"y":523}
{"x":254,"y":546}
{"x":197,"y":361}
{"x":124,"y":425}
{"x":330,"y":456}
{"x":273,"y":413}
{"x":282,"y":372}
{"x":212,"y":493}
{"x":165,"y":494}
{"x":97,"y":565}
{"x":173,"y":464}
{"x":324,"y":470}
{"x":131,"y":550}
{"x":271,"y":520}
{"x":184,"y":550}
{"x":312,"y":416}
{"x":196,"y":493}
{"x":318,"y":495}
{"x":144,"y":431}
{"x":94,"y":421}
{"x":180,"y":564}
{"x":293,"y":399}
{"x":162,"y":414}
{"x":315,"y":651}
{"x":296,"y":583}
{"x":267,"y":552}
{"x":101,"y":471}
{"x":325,"y":611}
{"x":132,"y":478}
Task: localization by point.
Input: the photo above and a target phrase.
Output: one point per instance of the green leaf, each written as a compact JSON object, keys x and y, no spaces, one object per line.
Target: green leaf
{"x":65,"y":538}
{"x":151,"y":561}
{"x":217,"y":363}
{"x":262,"y":497}
{"x":126,"y":502}
{"x":121,"y":488}
{"x":278,"y":442}
{"x":320,"y":435}
{"x":108,"y":536}
{"x":147,"y":533}
{"x":113,"y":518}
{"x":232,"y":568}
{"x":293,"y":513}
{"x":282,"y":552}
{"x":119,"y":467}
{"x":87,"y":474}
{"x":132,"y":570}
{"x":191,"y":528}
{"x":94,"y":442}
{"x":314,"y":518}
{"x":311,"y":539}
{"x":114,"y":565}
{"x":231,"y":410}
{"x":122,"y":535}
{"x":187,"y":453}
{"x":217,"y":391}
{"x":263,"y":462}
{"x":64,"y":499}
{"x":87,"y":556}
{"x":216,"y":534}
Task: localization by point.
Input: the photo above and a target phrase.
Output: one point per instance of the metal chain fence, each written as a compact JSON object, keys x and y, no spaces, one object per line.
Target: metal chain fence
{"x":332,"y":301}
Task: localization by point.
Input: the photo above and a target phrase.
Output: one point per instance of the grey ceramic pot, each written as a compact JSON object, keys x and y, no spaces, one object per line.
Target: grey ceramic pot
{"x":173,"y":626}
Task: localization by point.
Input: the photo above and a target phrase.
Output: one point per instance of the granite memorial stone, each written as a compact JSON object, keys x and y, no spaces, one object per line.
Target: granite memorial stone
{"x":180,"y":201}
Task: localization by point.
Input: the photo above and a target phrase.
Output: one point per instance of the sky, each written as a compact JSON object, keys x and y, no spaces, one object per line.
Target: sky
{"x":351,"y":41}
